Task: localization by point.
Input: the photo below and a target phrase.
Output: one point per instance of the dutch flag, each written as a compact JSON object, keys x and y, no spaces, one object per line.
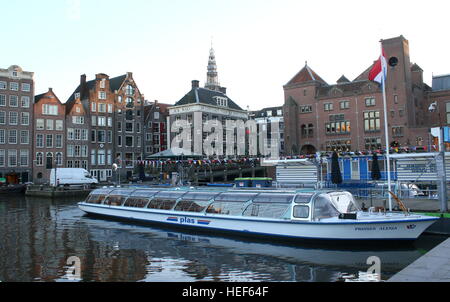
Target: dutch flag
{"x":378,"y":72}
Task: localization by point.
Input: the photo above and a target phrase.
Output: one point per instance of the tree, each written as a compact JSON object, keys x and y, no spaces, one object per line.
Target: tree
{"x":376,"y":174}
{"x":336,"y":176}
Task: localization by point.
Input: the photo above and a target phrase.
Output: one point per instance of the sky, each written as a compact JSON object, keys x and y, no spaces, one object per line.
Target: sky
{"x":259,"y":44}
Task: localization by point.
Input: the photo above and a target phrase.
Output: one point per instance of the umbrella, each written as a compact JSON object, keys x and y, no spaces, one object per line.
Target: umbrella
{"x":376,"y":174}
{"x":336,"y":176}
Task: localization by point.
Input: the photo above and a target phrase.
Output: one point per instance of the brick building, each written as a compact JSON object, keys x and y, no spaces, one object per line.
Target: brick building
{"x":77,"y":134}
{"x":265,"y":119}
{"x":155,"y":127}
{"x":349,"y":115}
{"x":16,"y":126}
{"x":112,"y":111}
{"x":49,"y":135}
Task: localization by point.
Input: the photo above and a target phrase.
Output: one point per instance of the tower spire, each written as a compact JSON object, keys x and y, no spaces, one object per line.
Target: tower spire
{"x":212,"y":79}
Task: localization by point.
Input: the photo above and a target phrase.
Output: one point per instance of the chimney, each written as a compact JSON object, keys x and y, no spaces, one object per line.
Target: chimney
{"x":195,"y":84}
{"x":223,"y":90}
{"x":83,"y":80}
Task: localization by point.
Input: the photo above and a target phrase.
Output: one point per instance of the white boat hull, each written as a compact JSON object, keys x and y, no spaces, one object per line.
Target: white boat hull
{"x":390,"y":227}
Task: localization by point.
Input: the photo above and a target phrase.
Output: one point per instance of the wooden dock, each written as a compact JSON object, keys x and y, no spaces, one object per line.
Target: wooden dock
{"x":432,"y":267}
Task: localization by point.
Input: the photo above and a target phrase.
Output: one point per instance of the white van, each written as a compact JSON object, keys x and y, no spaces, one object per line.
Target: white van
{"x":71,"y":176}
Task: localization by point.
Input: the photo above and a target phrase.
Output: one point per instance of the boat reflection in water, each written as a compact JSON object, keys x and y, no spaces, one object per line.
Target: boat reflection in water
{"x":187,"y":256}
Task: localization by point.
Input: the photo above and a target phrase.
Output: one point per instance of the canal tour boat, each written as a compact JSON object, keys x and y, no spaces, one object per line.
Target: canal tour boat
{"x":288,"y":214}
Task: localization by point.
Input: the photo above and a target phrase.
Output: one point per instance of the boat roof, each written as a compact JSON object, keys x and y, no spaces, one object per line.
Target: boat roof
{"x":217,"y":190}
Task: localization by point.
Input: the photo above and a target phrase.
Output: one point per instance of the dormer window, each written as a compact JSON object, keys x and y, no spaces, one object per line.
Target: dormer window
{"x":221,"y":101}
{"x":77,"y":95}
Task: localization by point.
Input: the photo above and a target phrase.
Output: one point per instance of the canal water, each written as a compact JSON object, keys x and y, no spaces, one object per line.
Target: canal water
{"x":39,"y":236}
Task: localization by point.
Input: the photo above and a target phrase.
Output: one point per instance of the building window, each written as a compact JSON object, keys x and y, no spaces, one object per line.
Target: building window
{"x":93,"y":107}
{"x":13,"y":101}
{"x":341,"y":127}
{"x":103,"y":83}
{"x":401,"y":112}
{"x":373,"y":143}
{"x":14,"y":86}
{"x":50,"y":124}
{"x":102,"y":108}
{"x":370,"y":102}
{"x":101,"y":121}
{"x":328,"y":107}
{"x":119,"y":141}
{"x":94,"y":120}
{"x":25,"y":118}
{"x":339,"y":145}
{"x":26,"y":87}
{"x":344,"y":105}
{"x":59,"y":125}
{"x":101,"y":136}
{"x":12,"y":158}
{"x":110,"y":108}
{"x":49,"y":140}
{"x":93,"y":136}
{"x":129,"y":90}
{"x":2,"y":100}
{"x":119,"y":126}
{"x":129,"y":127}
{"x":25,"y":102}
{"x":2,"y":136}
{"x":12,"y":136}
{"x":79,"y":120}
{"x":39,"y":140}
{"x":70,"y":134}
{"x":48,"y":109}
{"x":397,"y":131}
{"x":102,"y":95}
{"x":40,"y":124}
{"x":59,"y":141}
{"x":3,"y":85}
{"x":129,"y":141}
{"x":24,"y":137}
{"x":371,"y":121}
{"x":101,"y":157}
{"x":2,"y":117}
{"x":2,"y":158}
{"x":93,"y":157}
{"x":395,"y":99}
{"x":23,"y":158}
{"x":306,"y":109}
{"x":307,"y":130}
{"x":13,"y":118}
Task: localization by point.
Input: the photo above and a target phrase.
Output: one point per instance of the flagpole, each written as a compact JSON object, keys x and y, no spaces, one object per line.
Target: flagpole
{"x":386,"y":133}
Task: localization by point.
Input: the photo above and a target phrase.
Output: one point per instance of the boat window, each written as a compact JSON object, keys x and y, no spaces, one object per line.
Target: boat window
{"x":114,"y":200}
{"x":303,"y":198}
{"x":161,"y":204}
{"x":235,"y":197}
{"x":169,"y":195}
{"x":267,"y":210}
{"x":323,"y":207}
{"x":95,"y":198}
{"x":144,"y":193}
{"x":123,"y":192}
{"x":273,"y":198}
{"x":136,"y":202}
{"x":199,"y":196}
{"x":344,"y":202}
{"x":191,"y":206}
{"x":301,"y":211}
{"x":225,"y":208}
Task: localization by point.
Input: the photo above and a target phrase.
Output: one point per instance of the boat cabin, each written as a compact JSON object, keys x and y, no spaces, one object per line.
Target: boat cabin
{"x":297,"y":205}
